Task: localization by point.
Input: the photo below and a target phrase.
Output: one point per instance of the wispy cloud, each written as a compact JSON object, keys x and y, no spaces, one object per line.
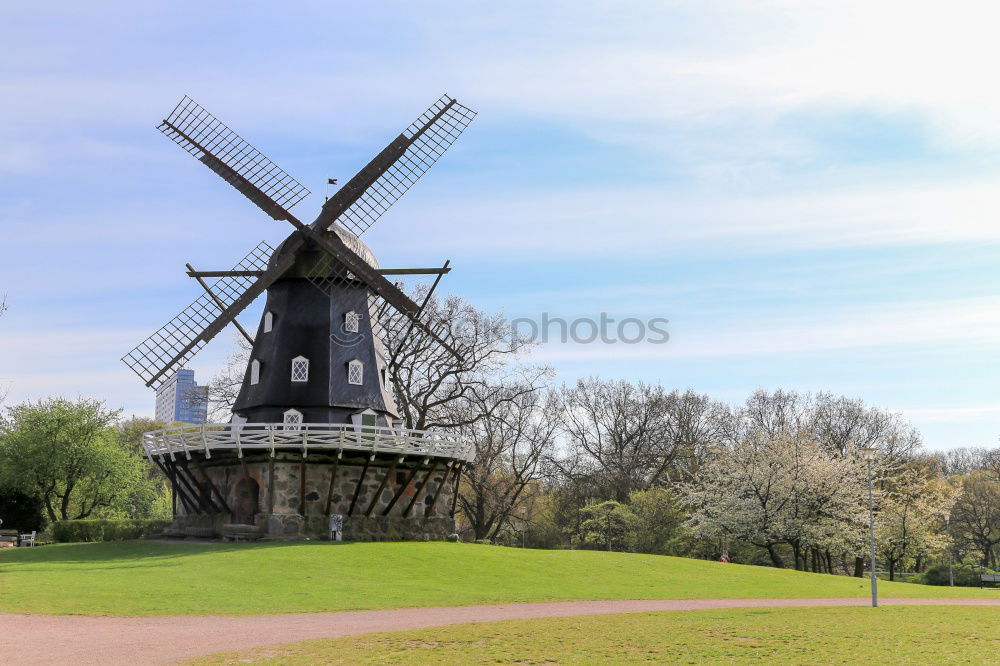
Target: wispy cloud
{"x":971,"y":322}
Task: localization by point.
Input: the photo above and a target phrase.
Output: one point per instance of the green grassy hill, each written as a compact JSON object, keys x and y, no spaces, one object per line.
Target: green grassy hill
{"x":157,"y":578}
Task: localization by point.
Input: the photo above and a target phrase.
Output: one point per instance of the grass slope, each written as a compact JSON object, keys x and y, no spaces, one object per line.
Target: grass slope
{"x":156,"y":578}
{"x":927,"y":635}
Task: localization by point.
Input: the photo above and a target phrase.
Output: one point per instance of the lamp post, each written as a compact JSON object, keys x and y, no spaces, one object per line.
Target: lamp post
{"x":869,"y":454}
{"x":951,"y":570}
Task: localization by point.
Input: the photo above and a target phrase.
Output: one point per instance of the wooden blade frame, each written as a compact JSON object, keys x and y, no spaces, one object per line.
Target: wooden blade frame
{"x":372,"y":191}
{"x":182,"y":337}
{"x":237,"y":162}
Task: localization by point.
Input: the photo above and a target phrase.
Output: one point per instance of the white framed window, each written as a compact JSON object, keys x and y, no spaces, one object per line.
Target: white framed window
{"x":355,"y":372}
{"x":254,"y":372}
{"x":366,"y":419}
{"x":268,"y":321}
{"x":292,"y":419}
{"x":352,"y":321}
{"x":300,"y":369}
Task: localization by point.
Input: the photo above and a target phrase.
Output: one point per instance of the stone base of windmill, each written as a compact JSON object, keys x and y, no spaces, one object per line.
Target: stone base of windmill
{"x":290,"y":527}
{"x":264,"y":497}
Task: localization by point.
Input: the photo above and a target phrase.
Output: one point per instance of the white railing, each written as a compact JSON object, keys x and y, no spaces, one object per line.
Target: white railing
{"x":304,"y":437}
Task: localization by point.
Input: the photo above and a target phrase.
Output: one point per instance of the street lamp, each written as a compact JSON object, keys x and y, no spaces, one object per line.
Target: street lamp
{"x":869,"y":453}
{"x":951,"y":569}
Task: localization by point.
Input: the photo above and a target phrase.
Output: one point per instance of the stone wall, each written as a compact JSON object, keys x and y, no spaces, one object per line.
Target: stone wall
{"x":281,"y":512}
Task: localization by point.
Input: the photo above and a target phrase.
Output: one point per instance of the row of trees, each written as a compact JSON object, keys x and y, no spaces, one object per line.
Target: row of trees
{"x":602,"y":463}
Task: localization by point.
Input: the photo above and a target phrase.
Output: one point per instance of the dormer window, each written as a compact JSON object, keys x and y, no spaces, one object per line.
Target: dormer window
{"x":300,"y":369}
{"x":268,"y":321}
{"x":254,"y":372}
{"x":292,"y":420}
{"x":352,"y":321}
{"x":355,"y":372}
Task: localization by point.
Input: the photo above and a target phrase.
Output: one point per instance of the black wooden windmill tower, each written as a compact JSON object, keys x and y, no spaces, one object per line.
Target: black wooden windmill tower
{"x":315,"y":432}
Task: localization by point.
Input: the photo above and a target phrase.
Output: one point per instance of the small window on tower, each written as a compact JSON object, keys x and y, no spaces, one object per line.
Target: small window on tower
{"x":351,"y":322}
{"x":355,"y":372}
{"x":254,"y":372}
{"x":293,"y":420}
{"x":268,"y":321}
{"x":300,"y":369}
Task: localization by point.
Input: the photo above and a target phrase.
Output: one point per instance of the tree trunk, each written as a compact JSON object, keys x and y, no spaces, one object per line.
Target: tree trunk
{"x":859,"y":567}
{"x":892,"y":569}
{"x":64,"y":505}
{"x":797,"y":555}
{"x":775,"y":558}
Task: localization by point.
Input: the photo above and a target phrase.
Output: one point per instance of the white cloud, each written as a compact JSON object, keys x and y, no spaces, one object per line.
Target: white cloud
{"x":967,"y":322}
{"x":649,"y":221}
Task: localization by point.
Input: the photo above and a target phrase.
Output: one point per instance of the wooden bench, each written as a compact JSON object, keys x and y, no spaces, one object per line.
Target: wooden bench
{"x":989,"y":578}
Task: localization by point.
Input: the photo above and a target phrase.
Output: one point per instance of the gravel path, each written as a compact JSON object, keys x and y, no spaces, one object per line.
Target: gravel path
{"x":75,"y":639}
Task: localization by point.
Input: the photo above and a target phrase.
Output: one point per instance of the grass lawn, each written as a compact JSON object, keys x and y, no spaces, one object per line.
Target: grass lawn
{"x":927,"y":635}
{"x":157,"y":578}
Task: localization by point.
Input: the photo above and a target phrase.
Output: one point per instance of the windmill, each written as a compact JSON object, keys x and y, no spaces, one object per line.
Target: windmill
{"x":314,"y":412}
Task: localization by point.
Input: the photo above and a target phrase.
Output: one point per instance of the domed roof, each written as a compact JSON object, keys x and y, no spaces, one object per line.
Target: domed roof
{"x":356,"y":244}
{"x":350,"y":240}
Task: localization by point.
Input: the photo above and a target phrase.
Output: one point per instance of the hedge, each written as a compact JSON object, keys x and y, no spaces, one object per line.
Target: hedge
{"x":965,"y":575}
{"x":105,"y":530}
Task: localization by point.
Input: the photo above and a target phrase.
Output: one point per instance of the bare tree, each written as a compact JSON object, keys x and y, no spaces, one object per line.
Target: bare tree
{"x":838,"y":423}
{"x":619,"y":434}
{"x":512,"y":443}
{"x":224,"y":386}
{"x":428,"y":380}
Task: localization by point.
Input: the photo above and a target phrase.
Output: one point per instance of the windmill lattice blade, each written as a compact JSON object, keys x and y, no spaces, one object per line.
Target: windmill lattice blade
{"x":150,"y":358}
{"x":237,"y":162}
{"x":429,"y":141}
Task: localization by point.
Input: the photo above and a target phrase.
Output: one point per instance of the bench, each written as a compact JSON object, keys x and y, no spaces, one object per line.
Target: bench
{"x":989,"y":578}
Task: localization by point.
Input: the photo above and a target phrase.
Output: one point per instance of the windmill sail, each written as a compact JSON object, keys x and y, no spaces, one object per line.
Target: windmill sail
{"x":177,"y":341}
{"x":368,"y":195}
{"x":237,"y":162}
{"x":428,"y":138}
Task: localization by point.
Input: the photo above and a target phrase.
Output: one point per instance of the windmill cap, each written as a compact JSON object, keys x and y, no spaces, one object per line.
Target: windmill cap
{"x":350,"y":240}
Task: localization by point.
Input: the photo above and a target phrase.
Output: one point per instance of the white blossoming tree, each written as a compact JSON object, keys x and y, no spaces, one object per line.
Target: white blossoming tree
{"x":781,"y":490}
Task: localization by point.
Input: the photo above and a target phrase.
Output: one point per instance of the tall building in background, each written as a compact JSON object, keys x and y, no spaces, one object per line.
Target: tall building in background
{"x":180,"y":399}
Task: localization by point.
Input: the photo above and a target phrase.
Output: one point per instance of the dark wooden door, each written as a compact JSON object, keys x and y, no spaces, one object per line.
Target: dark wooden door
{"x":246,"y":505}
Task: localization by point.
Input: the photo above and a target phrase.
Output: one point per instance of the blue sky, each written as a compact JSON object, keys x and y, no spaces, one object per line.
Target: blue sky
{"x":808,"y":193}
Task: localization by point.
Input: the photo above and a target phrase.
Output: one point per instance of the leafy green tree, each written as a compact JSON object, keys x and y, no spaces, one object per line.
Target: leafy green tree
{"x":911,"y":519}
{"x":606,"y":525}
{"x":69,"y":454}
{"x":657,"y":516}
{"x":975,"y":519}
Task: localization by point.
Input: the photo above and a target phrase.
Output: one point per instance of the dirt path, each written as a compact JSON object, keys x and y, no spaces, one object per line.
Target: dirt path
{"x":72,"y":639}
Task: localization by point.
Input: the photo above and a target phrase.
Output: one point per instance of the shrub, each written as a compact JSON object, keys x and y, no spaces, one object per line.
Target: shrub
{"x":965,"y":575}
{"x":105,"y":530}
{"x":20,"y":511}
